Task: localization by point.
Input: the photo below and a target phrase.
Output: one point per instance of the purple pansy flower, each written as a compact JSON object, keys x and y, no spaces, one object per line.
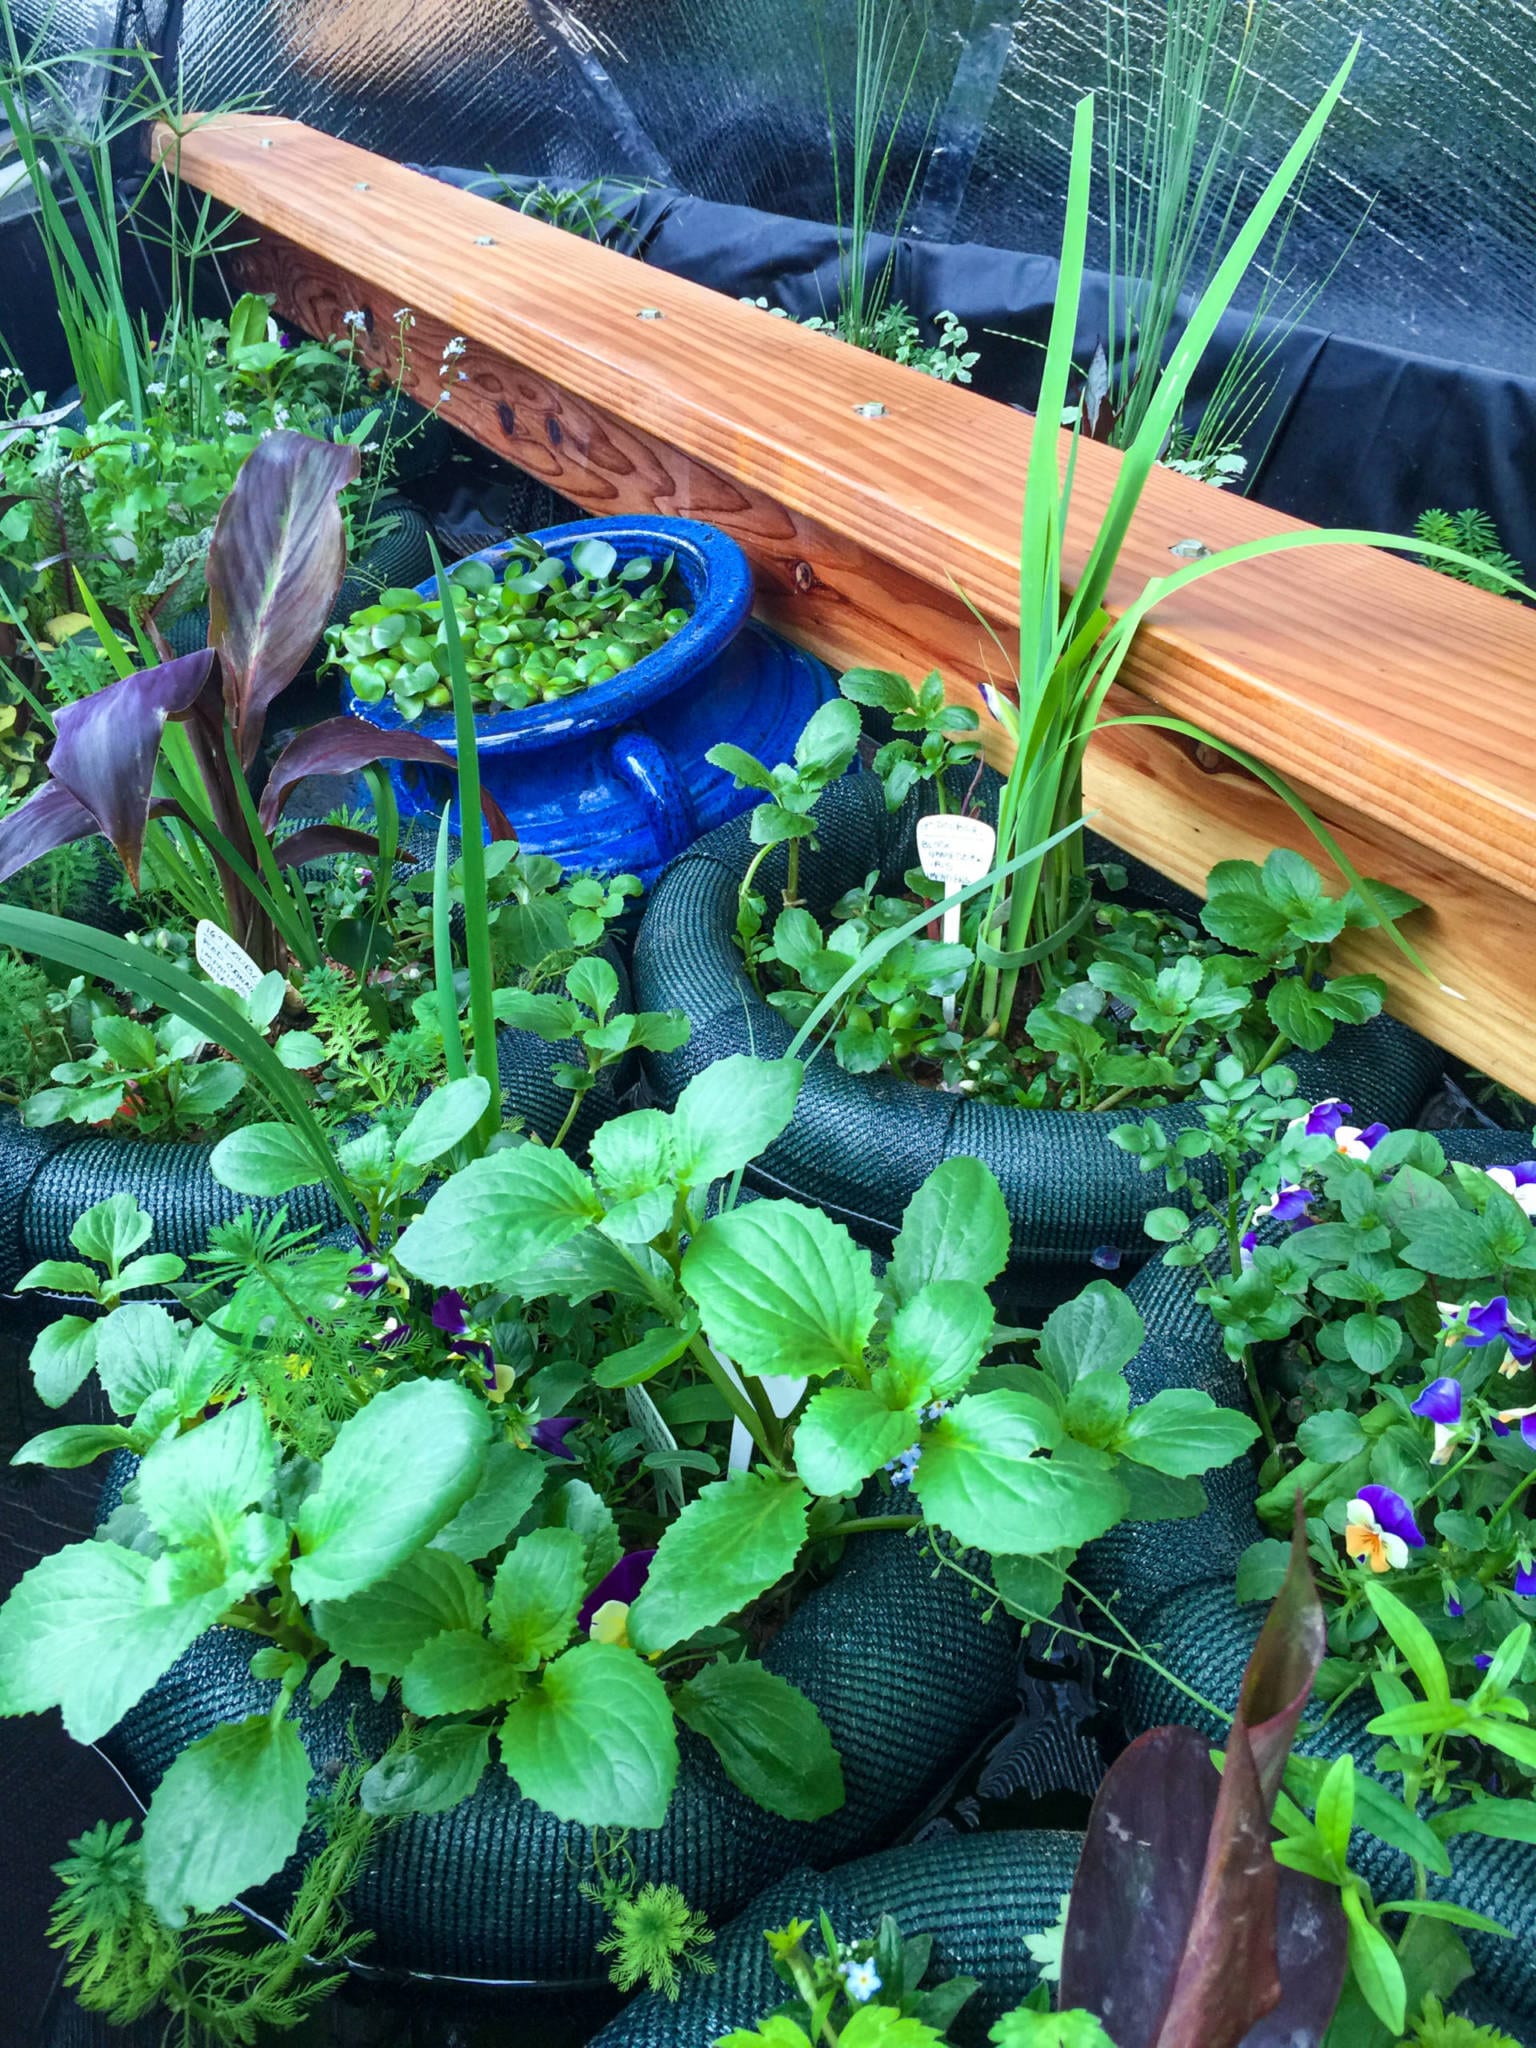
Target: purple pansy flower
{"x":623,"y":1584}
{"x":450,"y":1313}
{"x":550,"y":1436}
{"x":1526,"y":1417}
{"x":392,"y":1332}
{"x":1293,"y":1204}
{"x":1106,"y":1257}
{"x":1525,"y":1581}
{"x":1247,"y":1244}
{"x":1380,"y":1529}
{"x":1486,"y":1323}
{"x":1453,"y":1607}
{"x":1325,"y":1117}
{"x":1482,"y":1660}
{"x":367,"y":1278}
{"x":1441,"y":1404}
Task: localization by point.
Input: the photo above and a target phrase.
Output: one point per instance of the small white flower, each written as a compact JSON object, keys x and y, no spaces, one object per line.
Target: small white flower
{"x":444,"y":395}
{"x":862,"y":1980}
{"x":452,"y":350}
{"x":155,"y":390}
{"x":355,"y":319}
{"x":281,"y":415}
{"x":235,"y":419}
{"x":404,"y":317}
{"x":370,"y":447}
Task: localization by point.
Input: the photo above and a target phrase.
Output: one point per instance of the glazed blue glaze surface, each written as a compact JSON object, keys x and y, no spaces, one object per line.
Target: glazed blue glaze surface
{"x":615,"y":778}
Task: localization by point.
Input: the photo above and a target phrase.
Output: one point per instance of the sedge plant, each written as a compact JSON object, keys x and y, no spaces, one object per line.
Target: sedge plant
{"x":1070,"y":647}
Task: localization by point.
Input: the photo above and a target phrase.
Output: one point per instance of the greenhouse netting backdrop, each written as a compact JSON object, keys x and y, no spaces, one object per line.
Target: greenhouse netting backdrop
{"x":1421,"y":212}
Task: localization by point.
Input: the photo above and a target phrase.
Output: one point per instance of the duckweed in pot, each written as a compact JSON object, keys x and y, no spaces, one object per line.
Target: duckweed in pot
{"x":529,"y":636}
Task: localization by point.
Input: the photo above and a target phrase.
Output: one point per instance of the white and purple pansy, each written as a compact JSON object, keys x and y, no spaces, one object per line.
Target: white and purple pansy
{"x":551,"y":1436}
{"x":1441,"y":1403}
{"x":1247,"y":1245}
{"x":1525,"y":1579}
{"x":1380,"y":1529}
{"x":450,"y":1314}
{"x":1327,"y":1120}
{"x":1292,"y":1204}
{"x":367,"y":1278}
{"x":1519,"y":1181}
{"x":1526,"y":1417}
{"x":1488,"y":1322}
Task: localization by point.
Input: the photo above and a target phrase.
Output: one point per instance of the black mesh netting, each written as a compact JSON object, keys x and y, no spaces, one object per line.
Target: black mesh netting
{"x":860,"y":1146}
{"x":907,"y":1678}
{"x":1173,"y":1588}
{"x":1436,"y":131}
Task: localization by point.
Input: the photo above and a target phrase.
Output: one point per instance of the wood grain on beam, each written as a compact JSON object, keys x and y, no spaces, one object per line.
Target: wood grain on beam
{"x":1406,"y":697}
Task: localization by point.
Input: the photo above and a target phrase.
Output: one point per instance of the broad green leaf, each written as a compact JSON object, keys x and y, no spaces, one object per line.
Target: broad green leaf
{"x":227,"y":1815}
{"x":734,"y":1541}
{"x":1334,"y":1800}
{"x":594,"y":1741}
{"x":60,"y":1276}
{"x":540,"y":1584}
{"x":1332,"y":1436}
{"x":1157,"y":1496}
{"x":980,"y":1479}
{"x":551,"y":1018}
{"x":845,"y":1434}
{"x":62,"y":1359}
{"x":110,"y":1232}
{"x":264,"y":1159}
{"x":782,"y":1289}
{"x":1261,"y":1570}
{"x":1507,"y":1820}
{"x":458,"y":1672}
{"x":1183,"y":1432}
{"x":444,"y":1120}
{"x":1098,"y":1408}
{"x":774,"y":1745}
{"x":1099,"y":1331}
{"x":631,"y":1155}
{"x":954,"y":1228}
{"x":79,"y":1634}
{"x":1414,"y":1640}
{"x":437,"y":1772}
{"x":194,"y":1487}
{"x":1448,"y":1242}
{"x":593,"y":982}
{"x":641,"y":1361}
{"x":77,"y":1444}
{"x":1031,"y":1586}
{"x":941,"y":1333}
{"x":399,"y":1470}
{"x":382,"y":1629}
{"x":827,"y":741}
{"x":577,"y":1506}
{"x":155,"y":1269}
{"x":499,"y":1216}
{"x":509,"y":1485}
{"x":1376,"y":1810}
{"x":138,"y":1351}
{"x":729,"y":1113}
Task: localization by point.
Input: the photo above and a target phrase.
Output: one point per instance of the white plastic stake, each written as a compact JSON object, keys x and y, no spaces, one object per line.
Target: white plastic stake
{"x":954,"y":851}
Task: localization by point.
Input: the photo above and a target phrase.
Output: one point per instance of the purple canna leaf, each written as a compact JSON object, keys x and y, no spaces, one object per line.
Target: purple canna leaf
{"x":107,"y":747}
{"x":315,"y":842}
{"x":50,"y":817}
{"x":1183,"y":1931}
{"x":275,"y":565}
{"x":340,"y":746}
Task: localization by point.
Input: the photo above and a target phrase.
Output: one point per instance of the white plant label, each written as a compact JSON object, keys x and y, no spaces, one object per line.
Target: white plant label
{"x":224,"y":960}
{"x":782,"y":1394}
{"x":954,"y":851}
{"x":647,"y":1418}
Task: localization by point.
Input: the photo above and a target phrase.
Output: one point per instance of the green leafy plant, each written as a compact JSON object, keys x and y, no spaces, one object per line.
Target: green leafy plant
{"x":529,"y":635}
{"x":586,"y":1014}
{"x":856,"y":1991}
{"x":1485,"y":561}
{"x":790,"y":789}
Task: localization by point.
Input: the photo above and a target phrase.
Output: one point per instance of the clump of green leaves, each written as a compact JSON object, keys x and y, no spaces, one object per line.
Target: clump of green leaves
{"x":530,"y":634}
{"x":865,"y":1992}
{"x":895,"y":333}
{"x":1487,"y":563}
{"x":585,"y":1014}
{"x":791,"y":791}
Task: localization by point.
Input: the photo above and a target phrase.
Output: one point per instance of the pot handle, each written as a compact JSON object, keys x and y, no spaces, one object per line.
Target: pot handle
{"x":645,"y":766}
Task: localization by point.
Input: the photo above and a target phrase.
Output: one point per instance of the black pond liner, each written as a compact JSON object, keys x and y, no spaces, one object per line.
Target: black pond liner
{"x":49,"y":1177}
{"x":977,"y":1895}
{"x":1173,"y":1588}
{"x":907,"y":1677}
{"x":860,"y":1146}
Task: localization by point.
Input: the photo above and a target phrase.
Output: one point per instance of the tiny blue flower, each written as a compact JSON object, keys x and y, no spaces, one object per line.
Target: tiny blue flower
{"x":862,"y":1980}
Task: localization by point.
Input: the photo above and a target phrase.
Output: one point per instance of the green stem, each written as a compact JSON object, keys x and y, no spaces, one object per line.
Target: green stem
{"x":578,"y":1095}
{"x":738,"y":1403}
{"x":864,"y":1525}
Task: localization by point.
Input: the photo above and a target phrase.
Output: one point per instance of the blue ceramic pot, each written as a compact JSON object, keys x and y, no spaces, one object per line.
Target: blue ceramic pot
{"x":615,"y":777}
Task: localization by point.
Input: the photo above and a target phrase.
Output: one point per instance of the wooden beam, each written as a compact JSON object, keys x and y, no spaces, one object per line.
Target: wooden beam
{"x":1372,"y":683}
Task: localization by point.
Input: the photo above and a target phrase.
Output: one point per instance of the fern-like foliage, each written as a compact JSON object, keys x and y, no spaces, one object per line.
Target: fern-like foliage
{"x":1437,"y":2028}
{"x":1473,"y":532}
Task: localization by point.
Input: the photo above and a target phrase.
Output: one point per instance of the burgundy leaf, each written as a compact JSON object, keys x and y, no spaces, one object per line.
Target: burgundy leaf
{"x":50,"y":817}
{"x":1183,"y":1932}
{"x":340,"y":746}
{"x":314,"y":842}
{"x":275,"y":565}
{"x":108,"y":745}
